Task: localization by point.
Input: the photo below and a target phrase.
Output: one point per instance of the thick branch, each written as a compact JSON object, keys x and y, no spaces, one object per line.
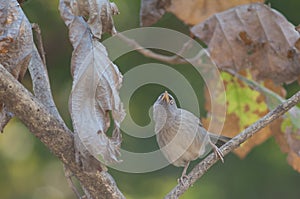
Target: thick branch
{"x":53,"y":134}
{"x":200,"y":169}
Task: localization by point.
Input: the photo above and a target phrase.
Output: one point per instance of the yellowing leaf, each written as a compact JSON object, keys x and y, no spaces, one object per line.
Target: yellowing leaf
{"x":247,"y":106}
{"x":286,"y":129}
{"x":244,"y":107}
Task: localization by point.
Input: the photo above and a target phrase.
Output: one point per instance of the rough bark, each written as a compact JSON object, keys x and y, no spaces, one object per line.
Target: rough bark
{"x":53,"y":134}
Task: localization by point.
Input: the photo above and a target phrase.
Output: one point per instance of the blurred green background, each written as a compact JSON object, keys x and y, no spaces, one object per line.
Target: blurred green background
{"x":30,"y":171}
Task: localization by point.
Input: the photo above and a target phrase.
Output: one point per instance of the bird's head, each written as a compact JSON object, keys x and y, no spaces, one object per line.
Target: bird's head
{"x":167,"y":101}
{"x":163,"y":108}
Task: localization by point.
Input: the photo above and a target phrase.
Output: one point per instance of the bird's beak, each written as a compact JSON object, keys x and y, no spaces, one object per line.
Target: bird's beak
{"x":166,"y":97}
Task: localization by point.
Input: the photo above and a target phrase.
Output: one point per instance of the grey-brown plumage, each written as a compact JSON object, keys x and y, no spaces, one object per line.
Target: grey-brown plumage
{"x":180,"y":134}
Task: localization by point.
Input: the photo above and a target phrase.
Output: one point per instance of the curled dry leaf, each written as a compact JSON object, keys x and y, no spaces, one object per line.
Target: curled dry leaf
{"x":98,"y":14}
{"x":253,"y":36}
{"x":189,"y":11}
{"x":16,"y":45}
{"x":95,"y":91}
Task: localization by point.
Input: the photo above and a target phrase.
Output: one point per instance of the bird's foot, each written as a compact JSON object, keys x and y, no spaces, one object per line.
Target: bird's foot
{"x":183,"y":180}
{"x":218,"y":152}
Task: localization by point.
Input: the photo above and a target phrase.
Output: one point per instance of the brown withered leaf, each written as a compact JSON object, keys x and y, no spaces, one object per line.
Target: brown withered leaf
{"x":95,"y":91}
{"x":253,"y":36}
{"x":244,"y":107}
{"x":195,"y":11}
{"x":152,"y":10}
{"x":289,"y":143}
{"x":287,"y":133}
{"x":189,"y":11}
{"x":16,"y":45}
{"x":98,"y":14}
{"x":16,"y":42}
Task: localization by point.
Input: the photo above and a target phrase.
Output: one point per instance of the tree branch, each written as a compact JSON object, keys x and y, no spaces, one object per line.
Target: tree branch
{"x":42,"y":91}
{"x":39,"y":39}
{"x":175,"y":59}
{"x":53,"y":134}
{"x":200,"y":169}
{"x":41,"y":85}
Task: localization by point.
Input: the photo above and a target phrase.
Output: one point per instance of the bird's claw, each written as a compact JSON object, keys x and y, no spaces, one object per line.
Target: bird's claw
{"x":183,"y":180}
{"x":219,"y":153}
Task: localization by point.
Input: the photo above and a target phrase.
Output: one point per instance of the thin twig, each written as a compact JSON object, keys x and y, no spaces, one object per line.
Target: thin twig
{"x":200,"y":169}
{"x":178,"y":58}
{"x":40,"y":45}
{"x":41,"y":84}
{"x":175,"y":59}
{"x":68,"y":175}
{"x":5,"y":116}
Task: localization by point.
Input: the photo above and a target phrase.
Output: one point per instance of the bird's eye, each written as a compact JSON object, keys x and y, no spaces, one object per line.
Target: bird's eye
{"x":171,"y":101}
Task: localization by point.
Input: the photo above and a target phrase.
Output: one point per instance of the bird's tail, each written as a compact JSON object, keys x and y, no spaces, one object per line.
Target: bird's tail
{"x":219,"y":140}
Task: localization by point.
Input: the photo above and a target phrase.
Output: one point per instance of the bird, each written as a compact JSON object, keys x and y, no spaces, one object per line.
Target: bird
{"x":180,"y":134}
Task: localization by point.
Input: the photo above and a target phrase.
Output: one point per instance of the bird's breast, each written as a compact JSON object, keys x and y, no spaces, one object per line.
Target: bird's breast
{"x":180,"y":141}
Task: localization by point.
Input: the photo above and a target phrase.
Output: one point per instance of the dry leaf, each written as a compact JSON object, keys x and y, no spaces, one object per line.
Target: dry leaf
{"x":95,"y":91}
{"x":16,"y":42}
{"x":253,"y":36}
{"x":151,"y":11}
{"x":289,"y":143}
{"x":16,"y":45}
{"x":287,"y":128}
{"x":98,"y":14}
{"x":244,"y":107}
{"x":189,"y":11}
{"x":195,"y":11}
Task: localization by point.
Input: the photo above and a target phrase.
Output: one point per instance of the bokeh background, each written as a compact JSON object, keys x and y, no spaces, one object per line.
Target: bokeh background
{"x":29,"y":171}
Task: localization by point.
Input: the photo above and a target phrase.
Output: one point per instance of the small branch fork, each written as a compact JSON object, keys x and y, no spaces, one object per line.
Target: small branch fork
{"x":54,"y":134}
{"x":42,"y":118}
{"x":42,"y":91}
